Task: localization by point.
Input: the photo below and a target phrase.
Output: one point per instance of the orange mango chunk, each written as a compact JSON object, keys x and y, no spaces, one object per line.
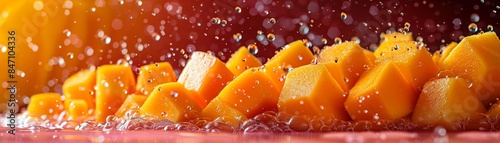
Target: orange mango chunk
{"x":476,"y":59}
{"x":391,"y":39}
{"x":447,"y":50}
{"x":171,"y":101}
{"x":45,"y":104}
{"x":133,"y":101}
{"x":153,"y":75}
{"x":216,"y":109}
{"x":291,"y":56}
{"x":382,"y":93}
{"x":251,"y":93}
{"x":446,"y":102}
{"x":494,"y":111}
{"x":78,"y":109}
{"x":114,"y":83}
{"x":414,"y":61}
{"x":310,"y":90}
{"x":369,"y":55}
{"x":80,"y":86}
{"x":242,"y":60}
{"x":205,"y":74}
{"x":349,"y":57}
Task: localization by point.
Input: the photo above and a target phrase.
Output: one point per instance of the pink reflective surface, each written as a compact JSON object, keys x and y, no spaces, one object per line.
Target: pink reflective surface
{"x":26,"y":135}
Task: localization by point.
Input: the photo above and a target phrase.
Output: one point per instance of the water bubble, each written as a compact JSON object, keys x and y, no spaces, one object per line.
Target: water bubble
{"x":106,"y":40}
{"x":356,"y":39}
{"x":420,"y":39}
{"x":174,"y":94}
{"x":304,"y":29}
{"x":71,"y":55}
{"x":216,"y":20}
{"x":223,"y":22}
{"x":324,"y":41}
{"x":253,"y":49}
{"x":155,"y":36}
{"x":237,"y":37}
{"x":474,"y":17}
{"x":270,"y":37}
{"x":473,"y":28}
{"x":272,"y":21}
{"x":343,"y":15}
{"x":316,"y":50}
{"x":490,"y":28}
{"x":337,"y":40}
{"x":440,"y":131}
{"x":407,"y":27}
{"x":237,"y":9}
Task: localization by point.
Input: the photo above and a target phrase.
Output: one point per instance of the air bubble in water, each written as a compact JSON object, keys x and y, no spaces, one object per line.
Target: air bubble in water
{"x":343,"y":15}
{"x":252,"y":48}
{"x":271,"y":37}
{"x":237,"y":37}
{"x":473,"y":28}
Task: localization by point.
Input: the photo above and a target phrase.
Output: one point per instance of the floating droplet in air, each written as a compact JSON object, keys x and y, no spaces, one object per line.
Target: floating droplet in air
{"x":271,"y":37}
{"x":343,"y":15}
{"x":473,"y":27}
{"x":252,"y":48}
{"x":237,"y":37}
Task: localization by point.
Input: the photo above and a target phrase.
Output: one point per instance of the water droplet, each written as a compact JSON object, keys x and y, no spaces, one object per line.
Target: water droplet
{"x":216,"y":20}
{"x":71,"y":55}
{"x":324,"y":41}
{"x":174,"y":94}
{"x":316,"y":50}
{"x":304,"y":29}
{"x":237,"y":9}
{"x":343,"y":15}
{"x":253,"y":49}
{"x":270,"y":37}
{"x":440,"y":131}
{"x":237,"y":37}
{"x":139,"y":3}
{"x":337,"y":40}
{"x":407,"y":27}
{"x":272,"y":21}
{"x":420,"y":39}
{"x":474,"y":17}
{"x":473,"y":28}
{"x":376,"y":117}
{"x":223,"y":22}
{"x":489,"y":28}
{"x":106,"y":40}
{"x":155,"y":36}
{"x":356,"y":39}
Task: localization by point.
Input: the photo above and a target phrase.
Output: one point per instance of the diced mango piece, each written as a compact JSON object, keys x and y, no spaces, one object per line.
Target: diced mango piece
{"x":447,"y":50}
{"x":310,"y":90}
{"x":476,"y":59}
{"x":242,"y":60}
{"x":494,"y":110}
{"x":80,"y":86}
{"x":47,"y":104}
{"x":389,"y":41}
{"x":206,"y":75}
{"x":114,"y":83}
{"x":369,"y":55}
{"x":446,"y":102}
{"x":170,"y":101}
{"x":381,"y":93}
{"x":347,"y":56}
{"x":78,"y":109}
{"x":251,"y":93}
{"x":435,"y":57}
{"x":133,"y":101}
{"x":153,"y":75}
{"x":216,"y":108}
{"x":292,"y":55}
{"x":414,"y":61}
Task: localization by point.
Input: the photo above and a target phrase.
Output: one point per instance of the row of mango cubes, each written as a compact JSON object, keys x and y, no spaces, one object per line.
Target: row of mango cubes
{"x":401,"y":79}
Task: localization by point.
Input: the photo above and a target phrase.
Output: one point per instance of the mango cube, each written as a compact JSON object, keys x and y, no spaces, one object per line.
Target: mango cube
{"x":152,"y":75}
{"x":242,"y":60}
